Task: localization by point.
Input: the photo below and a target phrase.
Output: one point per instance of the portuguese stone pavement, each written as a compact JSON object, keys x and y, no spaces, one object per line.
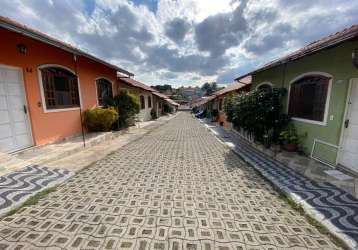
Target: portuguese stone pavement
{"x":178,"y":187}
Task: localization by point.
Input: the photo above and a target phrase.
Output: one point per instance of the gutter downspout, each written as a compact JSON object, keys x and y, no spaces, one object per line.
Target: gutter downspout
{"x":82,"y":130}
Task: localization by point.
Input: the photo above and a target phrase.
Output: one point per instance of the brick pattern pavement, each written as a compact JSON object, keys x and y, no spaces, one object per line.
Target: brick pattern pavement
{"x":176,"y":188}
{"x":332,"y":206}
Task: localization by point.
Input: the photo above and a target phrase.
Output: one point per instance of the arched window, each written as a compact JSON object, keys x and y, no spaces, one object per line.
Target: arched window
{"x":308,"y":97}
{"x":104,"y":91}
{"x":142,"y":102}
{"x":149,"y":101}
{"x":60,"y":88}
{"x":264,"y":87}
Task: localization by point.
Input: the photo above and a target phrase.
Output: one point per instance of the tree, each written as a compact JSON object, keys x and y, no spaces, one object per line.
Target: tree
{"x":209,"y":88}
{"x":163,"y":88}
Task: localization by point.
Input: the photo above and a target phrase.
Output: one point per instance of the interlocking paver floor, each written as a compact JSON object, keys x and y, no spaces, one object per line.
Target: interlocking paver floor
{"x":176,"y":188}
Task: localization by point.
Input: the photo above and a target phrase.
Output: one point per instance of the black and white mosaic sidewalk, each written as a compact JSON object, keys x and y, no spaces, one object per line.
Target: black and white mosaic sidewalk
{"x":20,"y":185}
{"x":331,"y":206}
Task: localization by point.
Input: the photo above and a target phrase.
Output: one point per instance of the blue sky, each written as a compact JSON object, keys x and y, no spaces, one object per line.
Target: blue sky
{"x":185,"y":42}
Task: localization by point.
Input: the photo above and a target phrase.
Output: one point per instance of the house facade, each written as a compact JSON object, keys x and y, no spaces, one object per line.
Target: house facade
{"x":150,"y":99}
{"x":44,"y":86}
{"x":144,"y":94}
{"x":215,"y":102}
{"x":321,"y":80}
{"x":239,"y":87}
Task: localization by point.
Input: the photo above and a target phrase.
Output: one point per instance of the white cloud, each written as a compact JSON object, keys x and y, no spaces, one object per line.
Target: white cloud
{"x":218,"y":39}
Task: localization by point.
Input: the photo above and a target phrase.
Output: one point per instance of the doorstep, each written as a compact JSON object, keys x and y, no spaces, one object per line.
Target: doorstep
{"x":334,"y":208}
{"x":30,"y":171}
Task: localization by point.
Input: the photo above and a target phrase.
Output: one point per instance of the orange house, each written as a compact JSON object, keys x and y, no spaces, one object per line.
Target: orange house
{"x":45,"y":84}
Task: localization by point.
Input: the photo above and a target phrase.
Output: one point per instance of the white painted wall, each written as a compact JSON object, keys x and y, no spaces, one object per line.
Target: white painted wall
{"x":144,"y":114}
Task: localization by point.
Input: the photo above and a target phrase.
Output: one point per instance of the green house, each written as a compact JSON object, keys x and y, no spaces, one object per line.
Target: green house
{"x":322,"y":95}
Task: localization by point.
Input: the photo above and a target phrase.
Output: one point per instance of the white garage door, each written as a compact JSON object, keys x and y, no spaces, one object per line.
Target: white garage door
{"x":15,"y":131}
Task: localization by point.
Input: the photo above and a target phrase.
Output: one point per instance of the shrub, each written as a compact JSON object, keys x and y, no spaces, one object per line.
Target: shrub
{"x":259,"y":113}
{"x":167,"y":108}
{"x":289,"y":135}
{"x":127,"y":106}
{"x":229,"y":102}
{"x":99,"y":119}
{"x":153,"y":114}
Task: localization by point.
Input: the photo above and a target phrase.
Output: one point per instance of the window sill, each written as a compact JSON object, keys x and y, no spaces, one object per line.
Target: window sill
{"x":61,"y":110}
{"x":324,"y":123}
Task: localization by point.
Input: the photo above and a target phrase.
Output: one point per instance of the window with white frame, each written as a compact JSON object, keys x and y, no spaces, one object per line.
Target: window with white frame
{"x":60,"y":88}
{"x":104,"y":91}
{"x":308,"y":97}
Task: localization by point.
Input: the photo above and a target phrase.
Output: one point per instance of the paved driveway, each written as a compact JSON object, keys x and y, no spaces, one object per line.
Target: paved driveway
{"x":176,"y":188}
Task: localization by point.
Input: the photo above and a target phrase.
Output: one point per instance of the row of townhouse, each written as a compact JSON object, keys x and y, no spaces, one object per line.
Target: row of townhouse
{"x":150,"y":99}
{"x":45,"y":84}
{"x":321,"y":80}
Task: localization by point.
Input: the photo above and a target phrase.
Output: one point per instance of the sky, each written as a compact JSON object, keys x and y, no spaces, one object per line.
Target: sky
{"x":185,"y":42}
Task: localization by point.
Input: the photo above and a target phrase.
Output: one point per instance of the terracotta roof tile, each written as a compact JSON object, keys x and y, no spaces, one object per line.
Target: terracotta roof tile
{"x":14,"y":26}
{"x":160,"y":95}
{"x":235,"y":86}
{"x":326,"y":42}
{"x":134,"y":83}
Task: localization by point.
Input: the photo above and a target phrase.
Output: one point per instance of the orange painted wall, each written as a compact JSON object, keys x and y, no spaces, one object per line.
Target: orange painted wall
{"x":222,"y":116}
{"x":49,"y":127}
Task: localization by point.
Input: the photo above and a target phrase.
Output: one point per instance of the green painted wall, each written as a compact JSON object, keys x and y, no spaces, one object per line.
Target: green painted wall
{"x":335,"y":61}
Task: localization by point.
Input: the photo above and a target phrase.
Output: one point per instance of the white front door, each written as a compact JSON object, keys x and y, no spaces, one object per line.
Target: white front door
{"x":349,"y":148}
{"x":15,"y":131}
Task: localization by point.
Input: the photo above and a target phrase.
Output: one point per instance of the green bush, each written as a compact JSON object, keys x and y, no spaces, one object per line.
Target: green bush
{"x":167,"y":108}
{"x":229,"y":102}
{"x":259,"y":113}
{"x":99,"y":119}
{"x":127,"y":106}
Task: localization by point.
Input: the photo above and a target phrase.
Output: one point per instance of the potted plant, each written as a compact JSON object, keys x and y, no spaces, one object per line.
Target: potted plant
{"x":289,"y":138}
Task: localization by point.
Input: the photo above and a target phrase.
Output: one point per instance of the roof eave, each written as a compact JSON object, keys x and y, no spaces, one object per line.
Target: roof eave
{"x":51,"y":42}
{"x":296,"y":57}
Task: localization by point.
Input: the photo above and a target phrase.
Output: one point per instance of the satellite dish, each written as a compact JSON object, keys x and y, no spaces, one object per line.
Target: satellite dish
{"x":355,"y":57}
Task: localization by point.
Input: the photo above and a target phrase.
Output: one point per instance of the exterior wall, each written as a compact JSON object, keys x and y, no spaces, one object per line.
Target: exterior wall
{"x":156,"y":101}
{"x":222,"y":116}
{"x":335,"y":61}
{"x":144,"y":114}
{"x":160,"y":107}
{"x":52,"y":126}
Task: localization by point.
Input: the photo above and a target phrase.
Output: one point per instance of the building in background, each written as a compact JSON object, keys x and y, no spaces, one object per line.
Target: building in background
{"x":150,"y":99}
